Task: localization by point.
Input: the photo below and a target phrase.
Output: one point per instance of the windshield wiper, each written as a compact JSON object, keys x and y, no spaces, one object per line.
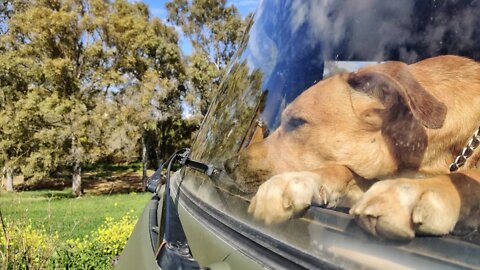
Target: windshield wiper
{"x":173,"y":251}
{"x":155,"y":180}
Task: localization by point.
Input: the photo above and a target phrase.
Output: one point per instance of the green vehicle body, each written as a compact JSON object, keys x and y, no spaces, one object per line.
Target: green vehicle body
{"x":214,"y":252}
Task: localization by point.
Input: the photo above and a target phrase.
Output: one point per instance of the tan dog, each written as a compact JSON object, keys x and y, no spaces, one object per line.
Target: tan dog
{"x":342,"y":135}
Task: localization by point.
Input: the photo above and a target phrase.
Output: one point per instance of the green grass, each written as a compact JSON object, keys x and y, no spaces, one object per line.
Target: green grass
{"x":58,"y":211}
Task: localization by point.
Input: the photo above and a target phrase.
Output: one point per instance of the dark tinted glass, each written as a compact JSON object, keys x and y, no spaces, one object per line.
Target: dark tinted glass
{"x":293,"y":45}
{"x":290,"y":42}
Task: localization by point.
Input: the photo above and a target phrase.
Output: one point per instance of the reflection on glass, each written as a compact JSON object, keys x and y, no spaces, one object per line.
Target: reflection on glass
{"x":325,"y":64}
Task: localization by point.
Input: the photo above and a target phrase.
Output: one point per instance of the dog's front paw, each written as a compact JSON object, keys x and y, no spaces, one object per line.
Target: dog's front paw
{"x":285,"y":195}
{"x":397,"y":209}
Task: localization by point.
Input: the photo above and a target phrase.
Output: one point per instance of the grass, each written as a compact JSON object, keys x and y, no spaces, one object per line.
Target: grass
{"x":47,"y":225}
{"x":110,"y":192}
{"x":58,"y":211}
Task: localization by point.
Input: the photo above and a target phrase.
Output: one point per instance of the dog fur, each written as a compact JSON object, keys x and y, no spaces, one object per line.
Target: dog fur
{"x":379,"y":141}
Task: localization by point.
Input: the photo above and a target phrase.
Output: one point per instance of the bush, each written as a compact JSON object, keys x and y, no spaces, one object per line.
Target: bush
{"x":24,"y":247}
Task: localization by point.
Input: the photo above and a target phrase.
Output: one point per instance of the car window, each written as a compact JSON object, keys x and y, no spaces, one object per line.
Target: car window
{"x":311,"y":83}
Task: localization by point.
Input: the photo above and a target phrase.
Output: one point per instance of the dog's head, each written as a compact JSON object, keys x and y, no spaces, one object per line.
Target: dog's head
{"x":372,"y":121}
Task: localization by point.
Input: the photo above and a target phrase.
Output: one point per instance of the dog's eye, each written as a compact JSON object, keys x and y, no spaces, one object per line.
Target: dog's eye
{"x":293,"y":123}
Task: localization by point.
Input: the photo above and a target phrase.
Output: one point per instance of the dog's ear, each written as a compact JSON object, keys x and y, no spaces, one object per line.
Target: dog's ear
{"x":393,"y":85}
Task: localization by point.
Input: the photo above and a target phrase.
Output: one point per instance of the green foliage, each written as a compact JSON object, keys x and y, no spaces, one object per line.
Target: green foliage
{"x":215,"y":31}
{"x":213,"y":27}
{"x":58,"y":211}
{"x":82,"y":80}
{"x":100,"y":249}
{"x":101,"y":168}
{"x":24,"y":247}
{"x":237,"y":115}
{"x":53,"y":230}
{"x":169,"y":136}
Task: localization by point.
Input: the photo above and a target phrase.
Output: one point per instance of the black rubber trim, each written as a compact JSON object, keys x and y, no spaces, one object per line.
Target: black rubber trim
{"x":153,"y":221}
{"x":264,"y":249}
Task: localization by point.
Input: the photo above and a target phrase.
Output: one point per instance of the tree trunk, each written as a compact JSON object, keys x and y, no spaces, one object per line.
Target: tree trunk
{"x":77,"y":189}
{"x":158,"y":159}
{"x":77,"y":179}
{"x":144,"y":161}
{"x":159,"y":144}
{"x":9,"y":179}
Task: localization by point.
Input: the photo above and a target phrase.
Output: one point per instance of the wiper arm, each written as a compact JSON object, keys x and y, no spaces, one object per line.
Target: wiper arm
{"x":154,"y":182}
{"x":207,"y":169}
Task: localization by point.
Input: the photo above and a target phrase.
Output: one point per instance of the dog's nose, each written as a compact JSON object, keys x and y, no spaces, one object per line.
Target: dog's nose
{"x":230,"y":164}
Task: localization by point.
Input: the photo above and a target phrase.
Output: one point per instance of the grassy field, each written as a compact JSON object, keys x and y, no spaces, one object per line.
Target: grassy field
{"x":58,"y":211}
{"x":110,"y":191}
{"x":46,"y":227}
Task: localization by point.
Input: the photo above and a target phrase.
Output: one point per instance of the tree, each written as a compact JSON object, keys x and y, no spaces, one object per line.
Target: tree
{"x":170,"y":135}
{"x":47,"y":39}
{"x":17,"y":105}
{"x":75,"y":74}
{"x":149,"y":57}
{"x":214,"y":30}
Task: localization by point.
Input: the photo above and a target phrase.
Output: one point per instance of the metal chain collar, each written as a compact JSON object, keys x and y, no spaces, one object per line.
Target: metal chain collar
{"x":467,"y":152}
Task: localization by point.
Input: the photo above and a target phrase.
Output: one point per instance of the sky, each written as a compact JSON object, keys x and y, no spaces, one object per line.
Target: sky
{"x":157,"y":8}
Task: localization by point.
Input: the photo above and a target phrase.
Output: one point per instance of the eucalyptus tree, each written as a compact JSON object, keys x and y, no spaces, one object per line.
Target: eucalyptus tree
{"x":215,"y":30}
{"x":16,"y":113}
{"x":147,"y":56}
{"x":76,"y":74}
{"x":54,"y":105}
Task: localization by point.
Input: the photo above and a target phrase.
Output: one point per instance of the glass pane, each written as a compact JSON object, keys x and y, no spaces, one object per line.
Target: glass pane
{"x":314,"y":87}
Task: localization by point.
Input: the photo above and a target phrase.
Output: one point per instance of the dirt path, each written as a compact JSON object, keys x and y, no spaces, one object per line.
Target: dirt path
{"x":93,"y":183}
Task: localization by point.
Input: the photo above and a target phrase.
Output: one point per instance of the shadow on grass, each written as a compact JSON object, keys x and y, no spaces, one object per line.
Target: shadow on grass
{"x":118,"y":183}
{"x":67,"y":194}
{"x":50,"y":184}
{"x":96,"y":183}
{"x":108,"y":170}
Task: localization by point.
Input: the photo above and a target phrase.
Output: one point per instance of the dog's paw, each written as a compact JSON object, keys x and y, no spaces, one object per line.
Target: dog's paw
{"x":397,"y":209}
{"x":284,"y":196}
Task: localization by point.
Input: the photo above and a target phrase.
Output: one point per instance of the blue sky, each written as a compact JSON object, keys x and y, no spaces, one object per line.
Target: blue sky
{"x":157,"y":8}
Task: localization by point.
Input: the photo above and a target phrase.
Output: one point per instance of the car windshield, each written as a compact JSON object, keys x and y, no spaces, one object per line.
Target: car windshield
{"x":352,"y":86}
